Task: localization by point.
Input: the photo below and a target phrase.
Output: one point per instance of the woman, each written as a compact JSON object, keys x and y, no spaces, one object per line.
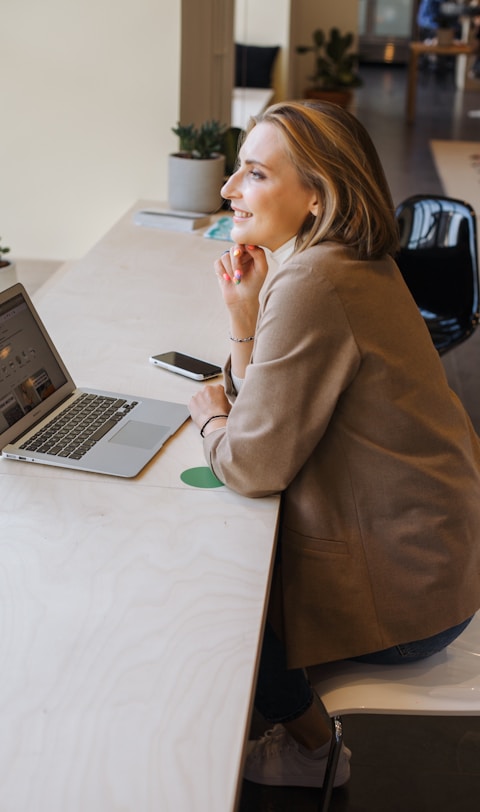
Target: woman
{"x":336,"y":397}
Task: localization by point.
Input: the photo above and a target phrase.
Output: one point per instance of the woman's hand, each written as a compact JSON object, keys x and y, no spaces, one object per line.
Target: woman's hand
{"x":241,"y":272}
{"x":209,"y":401}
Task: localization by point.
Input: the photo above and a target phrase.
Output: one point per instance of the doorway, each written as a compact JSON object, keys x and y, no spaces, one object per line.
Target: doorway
{"x":385,"y":28}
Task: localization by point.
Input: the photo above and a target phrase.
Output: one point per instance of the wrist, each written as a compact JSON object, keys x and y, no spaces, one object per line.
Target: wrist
{"x":242,"y":328}
{"x":244,"y":340}
{"x":212,"y":424}
{"x":243,"y":320}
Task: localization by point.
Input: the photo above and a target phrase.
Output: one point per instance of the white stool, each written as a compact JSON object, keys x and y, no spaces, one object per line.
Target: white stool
{"x":446,"y":684}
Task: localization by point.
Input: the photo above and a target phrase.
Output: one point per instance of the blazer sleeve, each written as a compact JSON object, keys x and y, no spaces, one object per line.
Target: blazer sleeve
{"x":304,"y":357}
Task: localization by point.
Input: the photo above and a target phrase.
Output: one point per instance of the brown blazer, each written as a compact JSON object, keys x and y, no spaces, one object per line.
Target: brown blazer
{"x":346,"y":409}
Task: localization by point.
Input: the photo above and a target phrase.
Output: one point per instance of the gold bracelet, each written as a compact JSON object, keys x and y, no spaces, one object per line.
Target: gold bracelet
{"x":242,"y":340}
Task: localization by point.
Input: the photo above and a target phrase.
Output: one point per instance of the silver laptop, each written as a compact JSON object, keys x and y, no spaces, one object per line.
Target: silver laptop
{"x":44,"y":418}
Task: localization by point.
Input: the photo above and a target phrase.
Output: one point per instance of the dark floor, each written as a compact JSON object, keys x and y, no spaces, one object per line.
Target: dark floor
{"x":405,"y":764}
{"x":399,"y":764}
{"x":442,"y":113}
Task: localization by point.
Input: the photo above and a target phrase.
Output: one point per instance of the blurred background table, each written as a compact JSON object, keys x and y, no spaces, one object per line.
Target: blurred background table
{"x":418,"y":49}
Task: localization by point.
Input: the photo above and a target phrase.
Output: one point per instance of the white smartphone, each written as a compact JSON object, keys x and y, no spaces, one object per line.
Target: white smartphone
{"x":186,"y":365}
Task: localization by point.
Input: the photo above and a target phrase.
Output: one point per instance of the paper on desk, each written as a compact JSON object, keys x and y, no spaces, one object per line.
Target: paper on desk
{"x":220,"y":230}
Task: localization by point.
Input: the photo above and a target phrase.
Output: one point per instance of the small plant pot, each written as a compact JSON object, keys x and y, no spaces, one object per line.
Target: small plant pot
{"x":194,"y":183}
{"x":445,"y":36}
{"x":8,"y":274}
{"x":342,"y":97}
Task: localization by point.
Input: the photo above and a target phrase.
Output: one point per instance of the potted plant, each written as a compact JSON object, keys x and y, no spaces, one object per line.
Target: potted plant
{"x":196,"y":172}
{"x":7,"y":269}
{"x":335,"y":67}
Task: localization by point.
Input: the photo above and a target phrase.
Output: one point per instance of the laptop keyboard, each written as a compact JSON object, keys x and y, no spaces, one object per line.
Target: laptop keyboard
{"x":76,"y":430}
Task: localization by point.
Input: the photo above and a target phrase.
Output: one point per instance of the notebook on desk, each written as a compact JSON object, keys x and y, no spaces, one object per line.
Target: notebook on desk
{"x":44,"y":418}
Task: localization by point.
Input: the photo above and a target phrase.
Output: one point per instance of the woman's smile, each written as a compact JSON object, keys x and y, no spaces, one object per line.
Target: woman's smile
{"x":242,"y":215}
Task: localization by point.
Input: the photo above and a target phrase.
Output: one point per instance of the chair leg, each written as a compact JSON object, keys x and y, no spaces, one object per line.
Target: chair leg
{"x":332,"y":762}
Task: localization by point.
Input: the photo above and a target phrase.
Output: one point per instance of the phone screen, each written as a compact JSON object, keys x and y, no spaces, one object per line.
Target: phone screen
{"x":194,"y":367}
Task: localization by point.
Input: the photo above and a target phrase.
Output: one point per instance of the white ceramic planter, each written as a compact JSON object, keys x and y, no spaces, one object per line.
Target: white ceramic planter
{"x":8,"y":275}
{"x":194,"y":183}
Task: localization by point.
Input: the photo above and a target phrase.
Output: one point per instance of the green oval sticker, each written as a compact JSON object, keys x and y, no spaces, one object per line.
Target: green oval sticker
{"x":200,"y":478}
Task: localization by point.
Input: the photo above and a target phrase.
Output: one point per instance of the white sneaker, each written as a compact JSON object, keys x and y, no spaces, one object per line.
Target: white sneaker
{"x":276,"y":760}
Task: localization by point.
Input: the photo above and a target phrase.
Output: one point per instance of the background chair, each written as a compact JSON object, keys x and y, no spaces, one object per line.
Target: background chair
{"x":446,"y":684}
{"x":439,"y":261}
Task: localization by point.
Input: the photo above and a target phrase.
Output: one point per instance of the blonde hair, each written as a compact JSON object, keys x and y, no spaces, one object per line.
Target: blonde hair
{"x":334,"y":155}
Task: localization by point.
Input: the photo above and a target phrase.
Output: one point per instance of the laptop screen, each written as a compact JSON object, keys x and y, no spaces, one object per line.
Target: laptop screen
{"x":30,"y":373}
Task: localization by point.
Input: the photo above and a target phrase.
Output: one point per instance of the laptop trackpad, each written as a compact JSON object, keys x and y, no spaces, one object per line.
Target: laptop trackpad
{"x":140,"y":435}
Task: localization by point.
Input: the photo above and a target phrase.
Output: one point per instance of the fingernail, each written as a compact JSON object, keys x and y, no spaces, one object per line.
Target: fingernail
{"x":226,"y":277}
{"x":237,"y":252}
{"x":238,"y":274}
{"x":250,"y":247}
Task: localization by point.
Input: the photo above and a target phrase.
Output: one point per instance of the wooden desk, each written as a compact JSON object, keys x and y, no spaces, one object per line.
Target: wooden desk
{"x":418,"y":49}
{"x":131,"y":609}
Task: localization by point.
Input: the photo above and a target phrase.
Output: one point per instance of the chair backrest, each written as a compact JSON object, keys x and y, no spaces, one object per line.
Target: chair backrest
{"x":439,"y":261}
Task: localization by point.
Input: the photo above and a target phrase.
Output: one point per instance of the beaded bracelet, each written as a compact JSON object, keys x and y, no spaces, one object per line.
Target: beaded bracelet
{"x":242,"y":340}
{"x":213,"y":417}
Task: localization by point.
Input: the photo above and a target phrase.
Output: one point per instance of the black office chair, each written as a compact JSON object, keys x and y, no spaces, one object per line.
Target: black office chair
{"x":439,"y":262}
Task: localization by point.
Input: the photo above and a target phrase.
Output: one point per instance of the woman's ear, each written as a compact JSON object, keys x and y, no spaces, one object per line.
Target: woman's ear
{"x":313,"y":208}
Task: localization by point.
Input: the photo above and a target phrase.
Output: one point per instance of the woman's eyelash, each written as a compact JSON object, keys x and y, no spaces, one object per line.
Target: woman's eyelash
{"x":255,"y":173}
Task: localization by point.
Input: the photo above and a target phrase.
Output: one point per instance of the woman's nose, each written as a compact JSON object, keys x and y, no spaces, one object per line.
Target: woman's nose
{"x":228,"y":189}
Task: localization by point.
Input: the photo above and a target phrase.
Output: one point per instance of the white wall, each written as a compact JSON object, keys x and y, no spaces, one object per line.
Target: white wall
{"x":90,"y":89}
{"x":261,"y":22}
